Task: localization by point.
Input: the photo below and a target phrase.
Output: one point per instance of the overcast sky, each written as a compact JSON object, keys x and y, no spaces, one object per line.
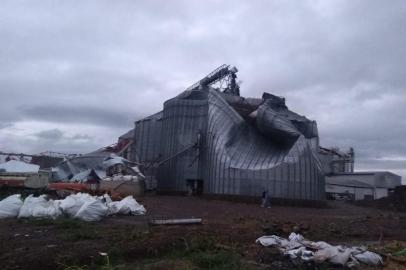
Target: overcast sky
{"x":74,"y":75}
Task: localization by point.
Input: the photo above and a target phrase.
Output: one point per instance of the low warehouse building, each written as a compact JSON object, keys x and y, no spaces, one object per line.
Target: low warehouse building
{"x":212,"y":141}
{"x":361,"y":185}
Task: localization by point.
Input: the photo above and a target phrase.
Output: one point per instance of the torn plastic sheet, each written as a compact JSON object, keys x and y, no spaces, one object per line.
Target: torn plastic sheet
{"x":298,"y":247}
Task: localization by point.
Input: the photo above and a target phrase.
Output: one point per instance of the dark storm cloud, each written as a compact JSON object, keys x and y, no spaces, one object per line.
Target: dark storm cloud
{"x":104,"y":64}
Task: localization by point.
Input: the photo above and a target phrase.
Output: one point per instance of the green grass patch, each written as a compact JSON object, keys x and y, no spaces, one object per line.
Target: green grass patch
{"x":188,"y":253}
{"x":71,"y":229}
{"x":216,"y":260}
{"x":62,"y":222}
{"x":203,"y":253}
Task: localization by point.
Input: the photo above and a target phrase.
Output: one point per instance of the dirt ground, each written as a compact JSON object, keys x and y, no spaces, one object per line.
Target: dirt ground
{"x":225,"y":240}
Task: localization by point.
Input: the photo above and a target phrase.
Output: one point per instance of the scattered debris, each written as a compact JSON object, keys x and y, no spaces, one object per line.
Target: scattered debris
{"x":98,"y":173}
{"x":298,"y":247}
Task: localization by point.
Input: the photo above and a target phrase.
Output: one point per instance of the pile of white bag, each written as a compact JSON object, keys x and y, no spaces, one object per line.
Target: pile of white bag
{"x":298,"y":247}
{"x":10,"y":206}
{"x":81,"y":205}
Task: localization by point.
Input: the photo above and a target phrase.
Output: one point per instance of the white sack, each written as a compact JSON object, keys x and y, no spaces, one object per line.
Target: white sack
{"x":39,"y":207}
{"x":370,"y":258}
{"x":50,"y":209}
{"x":71,"y":204}
{"x":126,"y":206}
{"x":93,"y":210}
{"x":29,"y":203}
{"x":10,"y":206}
{"x":341,"y":256}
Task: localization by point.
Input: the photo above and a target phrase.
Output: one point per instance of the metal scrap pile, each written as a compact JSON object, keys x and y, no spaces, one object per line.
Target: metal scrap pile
{"x":94,"y":166}
{"x":98,"y":173}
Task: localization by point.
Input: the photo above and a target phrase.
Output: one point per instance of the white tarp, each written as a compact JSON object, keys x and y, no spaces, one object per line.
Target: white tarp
{"x":298,"y":247}
{"x":16,"y":166}
{"x":10,"y":206}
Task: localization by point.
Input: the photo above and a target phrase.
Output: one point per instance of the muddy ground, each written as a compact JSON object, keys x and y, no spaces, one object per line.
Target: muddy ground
{"x":225,"y":240}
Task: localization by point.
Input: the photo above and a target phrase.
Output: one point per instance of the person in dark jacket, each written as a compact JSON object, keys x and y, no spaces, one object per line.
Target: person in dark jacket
{"x":266,"y":200}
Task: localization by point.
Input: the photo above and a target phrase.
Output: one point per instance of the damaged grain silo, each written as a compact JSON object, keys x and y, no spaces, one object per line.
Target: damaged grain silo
{"x":210,"y":140}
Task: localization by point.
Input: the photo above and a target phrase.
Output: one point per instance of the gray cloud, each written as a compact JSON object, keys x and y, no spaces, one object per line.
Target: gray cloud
{"x":91,"y":66}
{"x":78,"y":114}
{"x":5,"y":125}
{"x":51,"y":134}
{"x":55,"y":139}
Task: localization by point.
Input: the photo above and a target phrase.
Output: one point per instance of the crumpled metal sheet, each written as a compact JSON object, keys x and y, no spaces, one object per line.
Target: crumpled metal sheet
{"x":241,"y":152}
{"x":79,"y":168}
{"x":83,"y":176}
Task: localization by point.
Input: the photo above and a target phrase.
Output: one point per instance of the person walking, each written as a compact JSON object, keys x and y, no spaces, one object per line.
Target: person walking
{"x":267,"y":200}
{"x":263,"y":198}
